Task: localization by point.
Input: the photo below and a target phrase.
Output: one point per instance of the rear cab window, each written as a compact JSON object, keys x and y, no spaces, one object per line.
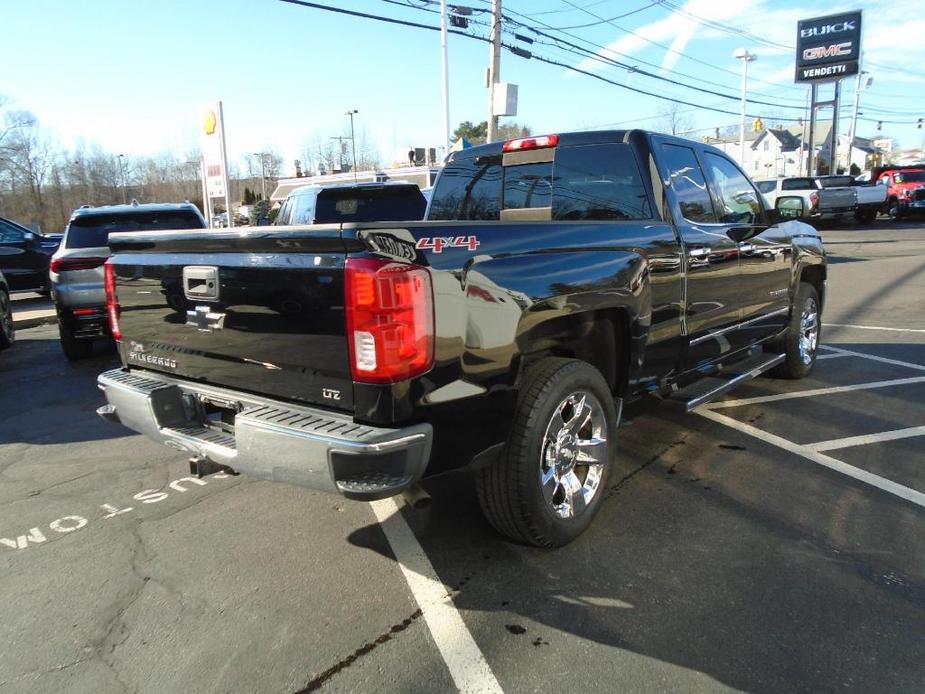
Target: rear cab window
{"x":387,"y":203}
{"x":93,"y":230}
{"x":798,"y":184}
{"x":591,"y":182}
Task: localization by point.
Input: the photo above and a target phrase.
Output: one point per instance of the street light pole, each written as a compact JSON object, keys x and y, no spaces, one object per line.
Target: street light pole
{"x":353,"y":143}
{"x":122,"y":173}
{"x":746,"y":57}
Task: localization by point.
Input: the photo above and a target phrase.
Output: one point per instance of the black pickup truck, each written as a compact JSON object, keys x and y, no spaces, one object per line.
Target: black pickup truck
{"x":554,"y":279}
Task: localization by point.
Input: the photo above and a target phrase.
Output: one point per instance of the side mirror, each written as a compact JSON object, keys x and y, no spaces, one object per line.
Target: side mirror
{"x":28,"y":236}
{"x":789,"y":207}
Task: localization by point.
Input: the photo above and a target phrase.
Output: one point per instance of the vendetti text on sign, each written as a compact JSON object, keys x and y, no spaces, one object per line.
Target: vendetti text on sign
{"x":828,"y":48}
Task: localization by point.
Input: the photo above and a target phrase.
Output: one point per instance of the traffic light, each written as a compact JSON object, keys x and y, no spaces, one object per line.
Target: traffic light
{"x":879,"y":125}
{"x":920,"y":123}
{"x":757,"y":125}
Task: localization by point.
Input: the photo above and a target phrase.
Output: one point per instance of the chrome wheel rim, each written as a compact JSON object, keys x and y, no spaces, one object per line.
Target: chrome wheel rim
{"x":809,"y":331}
{"x":574,"y":454}
{"x":6,"y":316}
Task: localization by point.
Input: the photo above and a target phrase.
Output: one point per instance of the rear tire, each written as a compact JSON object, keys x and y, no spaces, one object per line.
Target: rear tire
{"x":800,"y":341}
{"x":73,"y":348}
{"x":548,"y":482}
{"x":7,"y":332}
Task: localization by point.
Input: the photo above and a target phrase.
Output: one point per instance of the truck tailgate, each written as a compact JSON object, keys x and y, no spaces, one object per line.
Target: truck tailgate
{"x":256,"y":310}
{"x":840,"y":199}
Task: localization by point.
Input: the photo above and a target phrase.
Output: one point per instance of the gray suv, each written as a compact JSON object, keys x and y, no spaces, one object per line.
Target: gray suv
{"x":76,"y":268}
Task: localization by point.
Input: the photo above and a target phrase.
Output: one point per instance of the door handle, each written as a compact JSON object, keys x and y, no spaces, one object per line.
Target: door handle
{"x":746,"y":247}
{"x":698,"y":253}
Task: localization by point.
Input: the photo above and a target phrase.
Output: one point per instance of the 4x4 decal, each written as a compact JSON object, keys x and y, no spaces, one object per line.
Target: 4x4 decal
{"x":438,"y":243}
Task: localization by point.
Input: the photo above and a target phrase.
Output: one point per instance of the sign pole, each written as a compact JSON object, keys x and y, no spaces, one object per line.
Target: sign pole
{"x":221,"y":135}
{"x":811,"y":163}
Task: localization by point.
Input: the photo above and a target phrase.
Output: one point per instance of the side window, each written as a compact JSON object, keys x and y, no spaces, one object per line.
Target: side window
{"x":468,"y":188}
{"x":598,"y":182}
{"x":682,"y":172}
{"x":282,"y":218}
{"x":766,"y":186}
{"x":527,"y":186}
{"x":303,"y":209}
{"x":738,"y":196}
{"x":10,"y":234}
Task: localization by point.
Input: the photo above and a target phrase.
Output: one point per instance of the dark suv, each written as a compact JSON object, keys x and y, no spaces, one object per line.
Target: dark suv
{"x":357,"y":202}
{"x":77,"y":266}
{"x":24,"y":256}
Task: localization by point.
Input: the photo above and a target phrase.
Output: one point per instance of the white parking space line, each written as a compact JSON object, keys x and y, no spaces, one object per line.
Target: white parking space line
{"x":468,"y":667}
{"x":881,"y":483}
{"x":873,"y":327}
{"x":812,"y":393}
{"x":873,"y":357}
{"x":850,"y":441}
{"x":833,"y":355}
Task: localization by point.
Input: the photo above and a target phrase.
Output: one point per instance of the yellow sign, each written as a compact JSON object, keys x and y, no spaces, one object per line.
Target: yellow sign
{"x":209,"y":123}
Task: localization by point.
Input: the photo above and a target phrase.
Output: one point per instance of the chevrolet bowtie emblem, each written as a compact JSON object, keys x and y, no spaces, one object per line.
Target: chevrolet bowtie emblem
{"x":205,"y":320}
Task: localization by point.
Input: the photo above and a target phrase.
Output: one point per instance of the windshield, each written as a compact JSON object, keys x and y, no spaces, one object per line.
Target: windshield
{"x":766,"y":186}
{"x":836,"y":181}
{"x":909,"y":177}
{"x":386,"y":204}
{"x":93,"y":230}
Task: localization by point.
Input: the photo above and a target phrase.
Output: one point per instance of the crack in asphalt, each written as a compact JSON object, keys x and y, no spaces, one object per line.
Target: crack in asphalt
{"x":616,"y":486}
{"x":318,"y":681}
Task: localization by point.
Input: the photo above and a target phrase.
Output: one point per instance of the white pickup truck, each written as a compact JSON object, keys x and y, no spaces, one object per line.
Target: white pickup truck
{"x":871,"y":198}
{"x":819,"y":204}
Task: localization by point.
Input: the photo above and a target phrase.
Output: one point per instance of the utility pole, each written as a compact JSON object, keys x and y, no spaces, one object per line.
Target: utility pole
{"x":803,"y":137}
{"x":854,"y":112}
{"x":340,"y":149}
{"x":263,"y":173}
{"x":494,"y":67}
{"x":746,"y":57}
{"x":122,"y":174}
{"x":446,"y":78}
{"x":353,"y":142}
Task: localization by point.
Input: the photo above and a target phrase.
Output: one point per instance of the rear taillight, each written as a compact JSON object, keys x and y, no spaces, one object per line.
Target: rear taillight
{"x":59,"y":264}
{"x":525,"y":143}
{"x":813,"y":201}
{"x":112,"y":301}
{"x":390,"y":320}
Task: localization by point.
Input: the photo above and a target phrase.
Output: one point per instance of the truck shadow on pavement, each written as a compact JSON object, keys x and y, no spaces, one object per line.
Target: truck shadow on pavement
{"x":732,"y":577}
{"x":49,"y":400}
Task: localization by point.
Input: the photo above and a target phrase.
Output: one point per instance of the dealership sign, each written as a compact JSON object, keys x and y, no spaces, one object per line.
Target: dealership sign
{"x":828,"y":48}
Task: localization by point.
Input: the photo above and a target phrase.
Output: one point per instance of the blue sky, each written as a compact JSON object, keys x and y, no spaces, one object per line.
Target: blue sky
{"x":134,"y":76}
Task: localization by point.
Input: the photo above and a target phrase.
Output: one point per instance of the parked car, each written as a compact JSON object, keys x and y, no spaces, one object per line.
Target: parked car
{"x":77,"y":266}
{"x":870,"y":197}
{"x":901,"y":183}
{"x":504,"y":332}
{"x":820,"y":204}
{"x":356,"y":202}
{"x":7,"y":332}
{"x":25,"y":256}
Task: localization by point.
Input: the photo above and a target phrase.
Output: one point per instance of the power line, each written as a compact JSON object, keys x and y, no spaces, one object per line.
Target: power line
{"x":517,"y":51}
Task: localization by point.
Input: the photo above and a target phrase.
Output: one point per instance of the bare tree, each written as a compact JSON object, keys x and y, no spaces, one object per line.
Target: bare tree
{"x":674,"y":119}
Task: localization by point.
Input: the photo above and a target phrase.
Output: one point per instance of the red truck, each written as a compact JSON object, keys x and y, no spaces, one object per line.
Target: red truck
{"x":901,"y":182}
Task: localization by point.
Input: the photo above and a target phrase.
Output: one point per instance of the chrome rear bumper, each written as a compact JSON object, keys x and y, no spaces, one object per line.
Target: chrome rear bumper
{"x":269,"y":439}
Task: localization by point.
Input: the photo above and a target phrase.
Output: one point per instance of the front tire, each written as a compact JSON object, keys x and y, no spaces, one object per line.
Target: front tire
{"x":73,"y":348}
{"x":800,"y":341}
{"x":7,"y":332}
{"x":547,"y":484}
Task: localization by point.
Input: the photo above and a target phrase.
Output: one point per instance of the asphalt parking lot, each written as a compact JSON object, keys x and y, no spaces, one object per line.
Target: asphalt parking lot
{"x":773,"y":541}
